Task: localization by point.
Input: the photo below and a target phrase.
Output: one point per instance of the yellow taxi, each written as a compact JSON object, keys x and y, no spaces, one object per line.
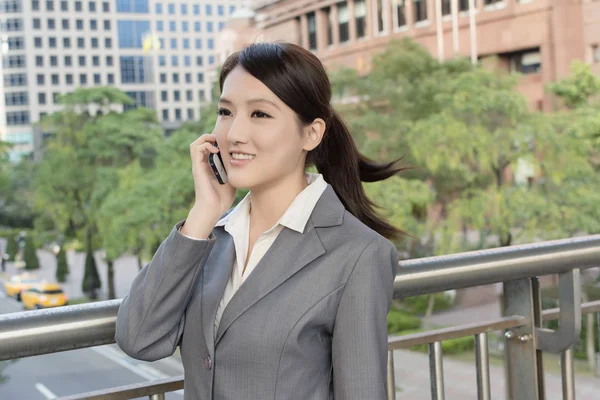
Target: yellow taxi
{"x":44,"y":295}
{"x":18,"y":283}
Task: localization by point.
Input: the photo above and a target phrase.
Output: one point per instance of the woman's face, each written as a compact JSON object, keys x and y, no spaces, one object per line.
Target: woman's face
{"x":259,"y":137}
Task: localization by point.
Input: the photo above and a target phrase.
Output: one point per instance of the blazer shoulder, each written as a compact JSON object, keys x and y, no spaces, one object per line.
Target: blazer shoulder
{"x":361,"y":233}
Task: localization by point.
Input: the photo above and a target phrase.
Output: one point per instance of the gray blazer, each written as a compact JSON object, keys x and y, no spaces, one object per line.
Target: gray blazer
{"x":308,"y":323}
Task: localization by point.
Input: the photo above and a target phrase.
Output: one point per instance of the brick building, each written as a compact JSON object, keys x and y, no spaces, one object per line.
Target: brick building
{"x":539,"y":38}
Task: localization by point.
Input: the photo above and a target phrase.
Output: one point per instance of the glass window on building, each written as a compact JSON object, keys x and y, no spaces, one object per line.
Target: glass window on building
{"x":16,"y":99}
{"x":174,"y":61}
{"x":184,"y":9}
{"x":39,"y":61}
{"x":176,"y":96}
{"x":177,"y":114}
{"x":330,"y":24}
{"x":110,"y":79}
{"x":82,"y":79}
{"x":80,"y":43}
{"x":92,"y":6}
{"x":67,"y":43}
{"x":221,"y":26}
{"x":209,"y":27}
{"x":200,"y":77}
{"x":78,"y":6}
{"x":82,"y":61}
{"x":69,"y":79}
{"x":41,"y":79}
{"x":190,"y":114}
{"x":343,"y":19}
{"x":311,"y":20}
{"x":132,"y":69}
{"x":132,"y":6}
{"x":184,"y":26}
{"x":55,"y":79}
{"x":198,"y":43}
{"x":162,"y":61}
{"x":94,"y":43}
{"x":64,"y":5}
{"x":18,"y":61}
{"x":221,"y":10}
{"x":54,"y":61}
{"x":211,"y":44}
{"x":37,"y":42}
{"x":109,"y":61}
{"x":41,"y":98}
{"x":93,"y":25}
{"x":35,"y":5}
{"x":96,"y":61}
{"x":131,"y":33}
{"x":231,"y":9}
{"x":400,"y":14}
{"x":107,"y":25}
{"x":79,"y":24}
{"x":65,"y":24}
{"x":188,"y":77}
{"x":68,"y":61}
{"x":14,"y":80}
{"x":173,"y":43}
{"x":106,"y":6}
{"x":158,"y":8}
{"x":52,"y":42}
{"x":379,"y":16}
{"x":37,"y":24}
{"x":420,"y":9}
{"x":196,"y":9}
{"x":198,"y":60}
{"x":164,"y":95}
{"x":360,"y":18}
{"x":175,"y":77}
{"x":463,"y":5}
{"x":51,"y":24}
{"x":49,"y":5}
{"x":211,"y":60}
{"x":159,"y":26}
{"x":172,"y":26}
{"x":56,"y":97}
{"x":165,"y":114}
{"x":97,"y":79}
{"x":171,"y":9}
{"x":526,"y":62}
{"x":446,"y":7}
{"x":189,"y":95}
{"x":186,"y":43}
{"x":108,"y":43}
{"x":209,"y":9}
{"x":187,"y":61}
{"x":197,"y":27}
{"x":163,"y":78}
{"x":201,"y":95}
{"x":17,"y":118}
{"x":11,"y":25}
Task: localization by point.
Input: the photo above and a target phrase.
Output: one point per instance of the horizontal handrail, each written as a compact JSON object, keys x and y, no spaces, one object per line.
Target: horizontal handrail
{"x":133,"y":391}
{"x":456,"y":271}
{"x":454,"y":332}
{"x":586,"y":308}
{"x":39,"y":332}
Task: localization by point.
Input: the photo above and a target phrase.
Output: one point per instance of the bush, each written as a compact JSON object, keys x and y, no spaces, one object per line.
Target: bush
{"x":29,"y":255}
{"x":12,"y":247}
{"x":401,"y":321}
{"x":418,"y":304}
{"x":62,"y":268}
{"x":91,"y":280}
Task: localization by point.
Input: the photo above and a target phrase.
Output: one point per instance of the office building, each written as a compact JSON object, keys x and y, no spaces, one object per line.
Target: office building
{"x":156,"y":51}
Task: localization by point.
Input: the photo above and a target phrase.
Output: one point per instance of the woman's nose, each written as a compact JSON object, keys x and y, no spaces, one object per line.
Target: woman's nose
{"x":237,"y":132}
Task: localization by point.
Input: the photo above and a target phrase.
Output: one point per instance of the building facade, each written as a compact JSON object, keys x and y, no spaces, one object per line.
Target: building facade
{"x":538,"y":38}
{"x":156,"y":51}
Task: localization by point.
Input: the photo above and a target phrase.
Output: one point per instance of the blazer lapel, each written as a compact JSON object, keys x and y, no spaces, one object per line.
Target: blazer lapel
{"x":290,"y":252}
{"x":216,"y":276}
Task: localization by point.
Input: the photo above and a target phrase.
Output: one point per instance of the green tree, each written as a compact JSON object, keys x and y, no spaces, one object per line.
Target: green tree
{"x":29,"y":254}
{"x":92,"y":140}
{"x":91,"y":280}
{"x":62,"y":268}
{"x":11,"y":246}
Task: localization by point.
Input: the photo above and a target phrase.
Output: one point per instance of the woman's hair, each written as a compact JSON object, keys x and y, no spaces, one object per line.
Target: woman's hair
{"x":299,"y":79}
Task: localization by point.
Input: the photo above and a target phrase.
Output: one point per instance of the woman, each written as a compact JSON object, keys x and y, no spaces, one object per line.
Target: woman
{"x":286,"y":295}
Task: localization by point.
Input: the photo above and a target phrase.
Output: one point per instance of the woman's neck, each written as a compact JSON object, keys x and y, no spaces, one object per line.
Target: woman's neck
{"x":268,"y":204}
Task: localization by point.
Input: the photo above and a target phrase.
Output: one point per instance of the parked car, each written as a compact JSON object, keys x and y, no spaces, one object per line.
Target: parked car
{"x":44,"y":295}
{"x":18,"y":283}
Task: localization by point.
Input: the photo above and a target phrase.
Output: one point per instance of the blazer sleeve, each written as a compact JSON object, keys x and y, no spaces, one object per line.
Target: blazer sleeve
{"x":360,"y":338}
{"x":151,"y":317}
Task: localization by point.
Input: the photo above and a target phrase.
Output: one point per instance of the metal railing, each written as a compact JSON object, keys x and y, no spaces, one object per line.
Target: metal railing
{"x":39,"y":332}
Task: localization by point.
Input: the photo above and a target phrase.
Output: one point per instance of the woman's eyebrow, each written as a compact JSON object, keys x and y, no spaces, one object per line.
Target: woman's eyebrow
{"x":257,"y":100}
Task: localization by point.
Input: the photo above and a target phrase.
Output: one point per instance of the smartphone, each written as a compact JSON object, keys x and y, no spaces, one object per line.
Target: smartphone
{"x":218,"y":167}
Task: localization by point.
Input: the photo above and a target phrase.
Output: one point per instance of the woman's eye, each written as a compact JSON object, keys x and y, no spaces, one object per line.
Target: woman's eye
{"x":223,"y":111}
{"x":260,"y":114}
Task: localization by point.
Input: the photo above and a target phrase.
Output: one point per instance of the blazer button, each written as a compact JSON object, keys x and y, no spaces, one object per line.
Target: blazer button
{"x":208,"y":362}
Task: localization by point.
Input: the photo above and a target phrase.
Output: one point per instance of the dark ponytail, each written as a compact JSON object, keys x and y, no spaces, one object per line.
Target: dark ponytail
{"x":337,"y":158}
{"x":299,"y":79}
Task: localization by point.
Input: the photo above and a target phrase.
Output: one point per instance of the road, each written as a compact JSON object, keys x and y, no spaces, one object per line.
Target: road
{"x":60,"y":374}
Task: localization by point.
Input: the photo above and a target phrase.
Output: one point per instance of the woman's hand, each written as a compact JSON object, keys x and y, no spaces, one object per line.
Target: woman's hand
{"x":212,"y":198}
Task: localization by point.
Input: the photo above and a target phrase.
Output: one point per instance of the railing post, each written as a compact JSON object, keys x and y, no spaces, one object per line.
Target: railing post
{"x":436,"y":370}
{"x":567,"y":370}
{"x":391,"y":378}
{"x":158,"y":396}
{"x":482,"y":362}
{"x":521,"y":358}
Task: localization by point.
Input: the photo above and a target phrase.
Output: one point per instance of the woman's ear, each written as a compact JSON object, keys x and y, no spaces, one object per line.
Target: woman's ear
{"x":313,"y":134}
